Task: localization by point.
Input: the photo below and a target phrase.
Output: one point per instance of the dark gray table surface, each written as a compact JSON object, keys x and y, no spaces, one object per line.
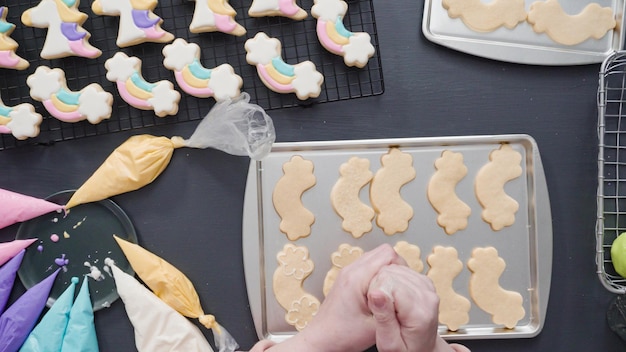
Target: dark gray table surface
{"x":192,"y":214}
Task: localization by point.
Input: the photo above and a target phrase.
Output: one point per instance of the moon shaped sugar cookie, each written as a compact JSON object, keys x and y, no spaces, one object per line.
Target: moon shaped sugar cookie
{"x":452,"y":211}
{"x":498,"y":207}
{"x":294,"y":266}
{"x":444,"y":267}
{"x":296,"y":220}
{"x":344,"y":196}
{"x":487,"y":16}
{"x":549,"y":17}
{"x":393,"y":213}
{"x":505,"y":307}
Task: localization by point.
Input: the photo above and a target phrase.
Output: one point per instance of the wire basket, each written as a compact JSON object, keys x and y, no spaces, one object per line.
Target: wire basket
{"x":298,"y":38}
{"x":611,"y":196}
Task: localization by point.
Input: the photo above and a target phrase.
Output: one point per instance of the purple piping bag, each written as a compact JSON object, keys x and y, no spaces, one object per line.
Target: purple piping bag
{"x":7,"y":278}
{"x":19,"y":319}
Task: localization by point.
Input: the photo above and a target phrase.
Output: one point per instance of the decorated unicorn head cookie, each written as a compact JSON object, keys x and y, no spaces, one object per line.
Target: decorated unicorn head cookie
{"x":8,"y":59}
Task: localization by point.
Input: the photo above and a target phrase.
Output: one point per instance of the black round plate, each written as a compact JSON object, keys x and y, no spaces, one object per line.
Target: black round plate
{"x":85,"y":236}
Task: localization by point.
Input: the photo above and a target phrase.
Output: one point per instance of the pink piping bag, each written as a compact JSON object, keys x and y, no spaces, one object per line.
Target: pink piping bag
{"x":10,"y":249}
{"x":18,"y":320}
{"x":16,"y":207}
{"x":7,"y":278}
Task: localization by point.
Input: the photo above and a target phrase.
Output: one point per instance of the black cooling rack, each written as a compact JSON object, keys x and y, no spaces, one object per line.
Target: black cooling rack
{"x":298,"y":38}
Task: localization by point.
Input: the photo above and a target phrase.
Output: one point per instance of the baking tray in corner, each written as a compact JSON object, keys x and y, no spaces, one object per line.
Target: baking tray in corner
{"x":521,"y":44}
{"x":526,"y":246}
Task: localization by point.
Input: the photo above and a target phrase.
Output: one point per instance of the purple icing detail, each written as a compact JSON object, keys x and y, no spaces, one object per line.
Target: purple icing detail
{"x":61,"y":261}
{"x":7,"y":278}
{"x":143,"y":20}
{"x":40,"y":248}
{"x":69,"y":31}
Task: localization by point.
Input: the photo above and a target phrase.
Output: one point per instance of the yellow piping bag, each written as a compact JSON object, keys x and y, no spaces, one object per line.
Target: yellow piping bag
{"x":174,"y":288}
{"x":232,"y":126}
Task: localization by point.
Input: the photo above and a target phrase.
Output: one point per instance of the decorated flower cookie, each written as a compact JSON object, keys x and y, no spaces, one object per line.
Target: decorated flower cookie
{"x":8,"y":59}
{"x":135,"y":90}
{"x":49,"y":86}
{"x":285,"y":8}
{"x":220,"y":82}
{"x":215,"y":16}
{"x":303,"y":79}
{"x":138,"y":24}
{"x":355,"y":47}
{"x":65,"y":35}
{"x":21,"y":120}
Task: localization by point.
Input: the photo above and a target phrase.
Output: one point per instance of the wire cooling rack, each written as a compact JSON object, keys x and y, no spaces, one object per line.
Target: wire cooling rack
{"x":299,"y":43}
{"x":611,"y":198}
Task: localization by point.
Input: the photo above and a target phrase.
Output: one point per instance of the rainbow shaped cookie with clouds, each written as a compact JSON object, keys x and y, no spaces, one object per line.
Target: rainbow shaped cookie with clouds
{"x":65,"y":35}
{"x":220,"y":82}
{"x":8,"y":59}
{"x":215,"y":16}
{"x":303,"y":79}
{"x":21,"y":120}
{"x":355,"y":47}
{"x":49,"y":86}
{"x":138,"y":24}
{"x":125,"y":72}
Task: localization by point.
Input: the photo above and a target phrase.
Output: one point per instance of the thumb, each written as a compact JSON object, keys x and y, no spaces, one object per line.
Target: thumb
{"x":388,"y":336}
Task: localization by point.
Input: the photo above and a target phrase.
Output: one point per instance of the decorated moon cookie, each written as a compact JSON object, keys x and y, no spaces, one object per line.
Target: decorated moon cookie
{"x":49,"y":86}
{"x":355,"y":47}
{"x":303,"y":79}
{"x":8,"y":59}
{"x":215,"y":16}
{"x":138,"y":24}
{"x":220,"y":82}
{"x":135,"y":90}
{"x":65,"y":35}
{"x":21,"y":120}
{"x":285,"y":8}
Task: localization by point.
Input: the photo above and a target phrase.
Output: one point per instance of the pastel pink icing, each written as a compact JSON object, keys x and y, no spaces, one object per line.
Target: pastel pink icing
{"x":325,"y":39}
{"x":9,"y":250}
{"x":8,"y":59}
{"x":153,"y":33}
{"x":78,"y":47}
{"x":5,"y":129}
{"x":224,"y":23}
{"x":63,"y":116}
{"x":287,"y":7}
{"x":189,"y":89}
{"x":280,"y":88}
{"x":131,"y":99}
{"x":16,"y":207}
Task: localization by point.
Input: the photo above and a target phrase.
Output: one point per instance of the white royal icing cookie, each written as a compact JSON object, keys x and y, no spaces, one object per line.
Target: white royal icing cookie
{"x":303,"y":79}
{"x":215,"y":16}
{"x":21,"y":120}
{"x":65,"y":35}
{"x":183,"y":59}
{"x":355,"y":47}
{"x":135,"y":90}
{"x":49,"y":86}
{"x":285,"y":8}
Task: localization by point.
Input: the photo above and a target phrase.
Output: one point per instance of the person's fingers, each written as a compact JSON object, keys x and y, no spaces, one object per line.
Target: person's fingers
{"x":388,"y":333}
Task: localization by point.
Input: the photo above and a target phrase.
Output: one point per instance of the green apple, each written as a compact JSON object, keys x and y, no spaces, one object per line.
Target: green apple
{"x":618,"y":254}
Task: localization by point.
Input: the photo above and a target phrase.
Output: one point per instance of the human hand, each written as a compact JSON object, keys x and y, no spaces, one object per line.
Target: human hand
{"x":344,"y":322}
{"x":406,"y":309}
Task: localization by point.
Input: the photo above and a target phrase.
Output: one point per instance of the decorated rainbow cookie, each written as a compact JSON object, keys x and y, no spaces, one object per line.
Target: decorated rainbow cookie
{"x":65,"y":35}
{"x":220,"y":82}
{"x":215,"y":16}
{"x":8,"y":59}
{"x":355,"y":47}
{"x":49,"y":86}
{"x":135,"y":90}
{"x":138,"y":24}
{"x":285,"y":8}
{"x":303,"y":79}
{"x":21,"y":120}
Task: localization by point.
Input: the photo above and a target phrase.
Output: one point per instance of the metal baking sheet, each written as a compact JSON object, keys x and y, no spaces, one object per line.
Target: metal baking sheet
{"x":526,"y":246}
{"x":521,"y":44}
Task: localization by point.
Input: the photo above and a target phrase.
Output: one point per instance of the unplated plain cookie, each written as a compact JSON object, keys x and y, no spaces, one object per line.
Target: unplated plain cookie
{"x":344,"y":197}
{"x":393,"y":213}
{"x":296,"y":220}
